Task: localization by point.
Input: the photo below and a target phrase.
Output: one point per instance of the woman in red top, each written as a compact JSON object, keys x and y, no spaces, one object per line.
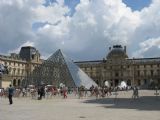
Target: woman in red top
{"x":64,"y":92}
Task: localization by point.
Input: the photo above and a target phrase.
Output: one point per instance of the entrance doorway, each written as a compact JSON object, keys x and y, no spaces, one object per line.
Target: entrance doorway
{"x":139,"y":82}
{"x":129,"y":82}
{"x":116,"y":82}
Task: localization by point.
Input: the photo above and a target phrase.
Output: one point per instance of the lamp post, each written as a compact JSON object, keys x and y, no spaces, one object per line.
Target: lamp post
{"x":133,"y":72}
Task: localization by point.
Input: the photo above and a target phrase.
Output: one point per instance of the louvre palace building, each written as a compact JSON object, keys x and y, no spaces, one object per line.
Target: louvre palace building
{"x":16,"y":67}
{"x":116,"y":67}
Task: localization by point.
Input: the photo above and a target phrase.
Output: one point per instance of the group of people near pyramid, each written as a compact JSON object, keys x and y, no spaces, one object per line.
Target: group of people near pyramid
{"x":47,"y":92}
{"x":43,"y":91}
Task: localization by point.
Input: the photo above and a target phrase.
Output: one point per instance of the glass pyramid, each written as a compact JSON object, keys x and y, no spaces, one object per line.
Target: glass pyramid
{"x":58,"y":69}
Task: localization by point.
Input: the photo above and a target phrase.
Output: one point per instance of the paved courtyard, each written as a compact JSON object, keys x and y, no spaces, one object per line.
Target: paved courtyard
{"x":147,"y":107}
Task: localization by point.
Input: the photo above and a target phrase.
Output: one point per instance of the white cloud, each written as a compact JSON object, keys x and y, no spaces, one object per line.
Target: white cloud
{"x":95,"y":25}
{"x":15,"y":24}
{"x":147,"y":35}
{"x":148,"y":48}
{"x":51,"y":14}
{"x":17,"y":50}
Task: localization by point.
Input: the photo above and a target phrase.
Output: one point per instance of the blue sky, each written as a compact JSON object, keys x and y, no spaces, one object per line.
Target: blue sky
{"x":133,"y":4}
{"x":137,"y":4}
{"x":72,"y":4}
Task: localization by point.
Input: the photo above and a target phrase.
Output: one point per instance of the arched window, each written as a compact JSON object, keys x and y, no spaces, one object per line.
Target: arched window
{"x":145,"y":82}
{"x":129,"y":82}
{"x":14,"y":82}
{"x":19,"y":82}
{"x":139,"y":82}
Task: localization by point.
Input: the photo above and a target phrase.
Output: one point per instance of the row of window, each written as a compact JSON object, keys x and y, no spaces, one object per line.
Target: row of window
{"x":16,"y":82}
{"x":127,"y":73}
{"x":17,"y":71}
{"x":14,"y":64}
{"x":123,"y":66}
{"x":151,"y":72}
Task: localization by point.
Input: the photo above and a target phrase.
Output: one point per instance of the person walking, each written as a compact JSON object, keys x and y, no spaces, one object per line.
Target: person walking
{"x":10,"y":94}
{"x":135,"y":92}
{"x":65,"y":92}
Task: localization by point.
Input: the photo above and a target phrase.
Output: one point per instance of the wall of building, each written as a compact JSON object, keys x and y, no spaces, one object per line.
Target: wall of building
{"x":18,"y":68}
{"x":142,"y":72}
{"x":115,"y":68}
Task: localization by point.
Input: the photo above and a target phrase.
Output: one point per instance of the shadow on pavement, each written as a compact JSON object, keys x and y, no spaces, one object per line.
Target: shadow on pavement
{"x":143,"y":103}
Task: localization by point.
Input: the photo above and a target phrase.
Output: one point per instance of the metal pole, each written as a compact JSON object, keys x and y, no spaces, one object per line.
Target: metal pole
{"x":133,"y":73}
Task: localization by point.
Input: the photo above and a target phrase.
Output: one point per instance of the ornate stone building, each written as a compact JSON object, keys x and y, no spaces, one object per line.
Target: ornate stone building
{"x":16,"y":67}
{"x":117,"y":67}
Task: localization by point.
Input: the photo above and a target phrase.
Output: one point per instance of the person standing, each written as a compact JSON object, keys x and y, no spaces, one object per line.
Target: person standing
{"x":10,"y":94}
{"x":24,"y":93}
{"x":135,"y":92}
{"x":65,"y":92}
{"x":41,"y":92}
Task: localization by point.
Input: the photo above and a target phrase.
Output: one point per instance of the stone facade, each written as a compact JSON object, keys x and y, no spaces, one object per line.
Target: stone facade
{"x":117,"y":67}
{"x":19,"y":66}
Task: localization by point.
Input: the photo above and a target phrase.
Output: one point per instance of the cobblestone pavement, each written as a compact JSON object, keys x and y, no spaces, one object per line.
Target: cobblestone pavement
{"x":147,"y":107}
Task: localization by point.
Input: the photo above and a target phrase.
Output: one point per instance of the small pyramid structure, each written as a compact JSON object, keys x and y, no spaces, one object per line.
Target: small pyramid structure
{"x":58,"y":69}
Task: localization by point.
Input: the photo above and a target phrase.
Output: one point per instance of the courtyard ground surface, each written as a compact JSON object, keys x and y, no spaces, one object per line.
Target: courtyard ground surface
{"x":147,"y":107}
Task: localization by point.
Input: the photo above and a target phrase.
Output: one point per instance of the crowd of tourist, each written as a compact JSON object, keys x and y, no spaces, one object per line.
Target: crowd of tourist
{"x":49,"y":91}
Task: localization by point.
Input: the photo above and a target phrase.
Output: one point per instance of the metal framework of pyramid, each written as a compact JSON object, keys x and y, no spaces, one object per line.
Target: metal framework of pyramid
{"x":57,"y":69}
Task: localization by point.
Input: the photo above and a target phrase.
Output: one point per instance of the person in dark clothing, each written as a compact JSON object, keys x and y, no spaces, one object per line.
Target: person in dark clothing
{"x":10,"y":94}
{"x":41,"y":92}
